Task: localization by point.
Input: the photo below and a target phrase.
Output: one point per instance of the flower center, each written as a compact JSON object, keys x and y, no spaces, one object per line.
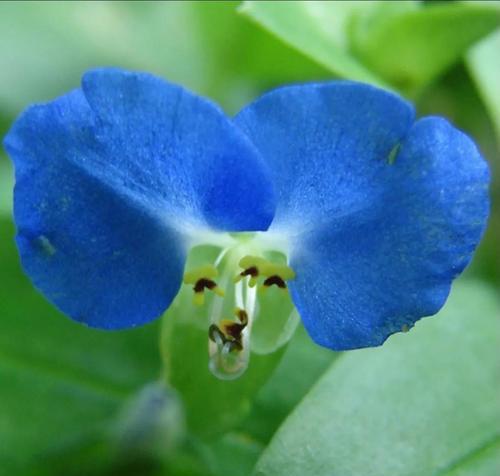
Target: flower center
{"x":244,"y":286}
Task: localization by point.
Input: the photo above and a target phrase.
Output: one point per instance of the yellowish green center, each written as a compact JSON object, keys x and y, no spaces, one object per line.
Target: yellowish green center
{"x":233,"y":290}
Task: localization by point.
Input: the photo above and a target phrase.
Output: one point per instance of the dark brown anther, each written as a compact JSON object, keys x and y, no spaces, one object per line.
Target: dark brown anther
{"x":215,"y":334}
{"x":235,"y":345}
{"x":252,"y":271}
{"x":230,"y":331}
{"x":220,"y":338}
{"x":276,"y":280}
{"x":234,"y":329}
{"x":242,"y":316}
{"x":202,"y":284}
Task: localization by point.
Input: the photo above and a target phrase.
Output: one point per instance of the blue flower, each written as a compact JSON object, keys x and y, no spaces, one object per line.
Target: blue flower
{"x":376,"y":212}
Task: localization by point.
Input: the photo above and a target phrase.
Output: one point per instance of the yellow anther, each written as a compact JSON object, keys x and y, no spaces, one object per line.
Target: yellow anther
{"x":225,"y":326}
{"x":251,"y":267}
{"x":255,"y":266}
{"x":199,"y":299}
{"x":202,"y":278}
{"x":281,"y":270}
{"x":207,"y":271}
{"x":249,"y":261}
{"x":218,"y":291}
{"x":229,"y":331}
{"x":241,"y":314}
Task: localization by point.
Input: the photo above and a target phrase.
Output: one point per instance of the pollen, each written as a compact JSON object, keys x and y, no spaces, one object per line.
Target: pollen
{"x":274,"y":273}
{"x":252,"y":266}
{"x":203,"y":278}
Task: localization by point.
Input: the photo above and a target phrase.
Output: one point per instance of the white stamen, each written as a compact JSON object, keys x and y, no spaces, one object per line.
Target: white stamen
{"x":250,"y":301}
{"x":238,"y":295}
{"x":220,"y":257}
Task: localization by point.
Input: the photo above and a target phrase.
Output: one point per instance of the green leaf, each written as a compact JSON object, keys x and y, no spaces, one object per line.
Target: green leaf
{"x":39,"y":41}
{"x":238,"y":71}
{"x":482,"y":61}
{"x":47,"y":47}
{"x":484,"y":462}
{"x":317,"y":29}
{"x":6,"y":185}
{"x":212,"y":406}
{"x":410,"y":44}
{"x":62,"y":383}
{"x":302,"y":364}
{"x":426,"y":403}
{"x":235,"y":454}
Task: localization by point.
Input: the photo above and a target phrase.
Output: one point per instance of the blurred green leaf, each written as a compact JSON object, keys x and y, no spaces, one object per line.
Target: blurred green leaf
{"x":409,"y":44}
{"x":61,"y":383}
{"x":484,"y":66}
{"x":485,"y":462}
{"x":301,"y":366}
{"x":6,"y":181}
{"x":46,"y":46}
{"x":317,"y":29}
{"x":6,"y":172}
{"x":235,"y":454}
{"x":212,"y":406}
{"x":238,"y":70}
{"x":425,"y":403}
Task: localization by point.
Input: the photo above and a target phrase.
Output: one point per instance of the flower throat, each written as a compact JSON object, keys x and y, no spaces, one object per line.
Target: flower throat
{"x":241,"y":291}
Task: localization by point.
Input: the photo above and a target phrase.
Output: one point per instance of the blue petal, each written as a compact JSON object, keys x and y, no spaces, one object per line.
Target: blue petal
{"x":181,"y":150}
{"x":375,"y":246}
{"x":325,"y":145}
{"x":102,"y":206}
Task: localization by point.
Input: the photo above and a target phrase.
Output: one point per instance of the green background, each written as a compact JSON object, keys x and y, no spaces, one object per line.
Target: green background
{"x":76,"y":401}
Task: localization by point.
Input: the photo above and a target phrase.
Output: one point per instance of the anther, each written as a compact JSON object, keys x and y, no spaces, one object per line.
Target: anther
{"x":215,"y":335}
{"x":251,"y":267}
{"x":253,"y":272}
{"x":229,"y":332}
{"x":275,"y":274}
{"x":274,"y":280}
{"x":202,"y":278}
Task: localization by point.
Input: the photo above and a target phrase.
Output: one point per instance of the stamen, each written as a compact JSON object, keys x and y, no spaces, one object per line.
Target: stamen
{"x":281,"y":270}
{"x":242,"y":315}
{"x":251,"y":267}
{"x":229,"y":355}
{"x":231,"y":330}
{"x":203,"y":283}
{"x":276,"y":280}
{"x":219,"y":258}
{"x":254,"y":266}
{"x":202,"y":279}
{"x":216,"y":335}
{"x":253,"y":272}
{"x":238,"y":294}
{"x":229,"y":339}
{"x":251,"y":301}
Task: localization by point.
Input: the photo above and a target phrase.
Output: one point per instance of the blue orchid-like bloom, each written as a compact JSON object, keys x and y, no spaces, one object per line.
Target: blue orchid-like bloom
{"x":375,"y":211}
